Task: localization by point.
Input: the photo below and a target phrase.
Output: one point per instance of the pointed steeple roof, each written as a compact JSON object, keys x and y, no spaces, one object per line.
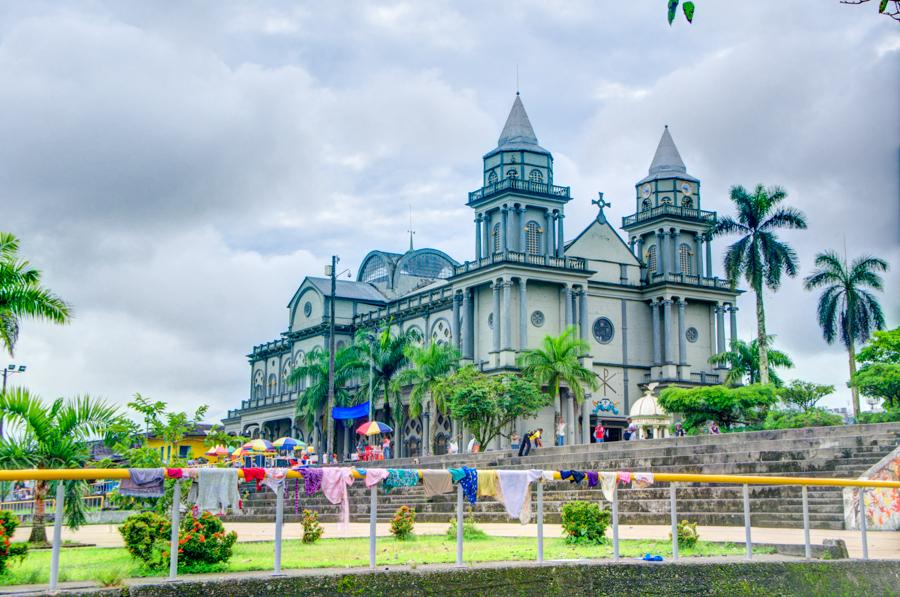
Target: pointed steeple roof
{"x":667,"y":162}
{"x":518,"y":133}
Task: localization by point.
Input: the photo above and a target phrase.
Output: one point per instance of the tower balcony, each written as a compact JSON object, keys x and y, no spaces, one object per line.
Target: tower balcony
{"x":687,"y":214}
{"x":577,"y":264}
{"x":524,"y":187}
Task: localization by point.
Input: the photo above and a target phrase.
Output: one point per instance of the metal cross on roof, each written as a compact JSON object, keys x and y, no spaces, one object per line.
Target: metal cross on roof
{"x":601,"y":203}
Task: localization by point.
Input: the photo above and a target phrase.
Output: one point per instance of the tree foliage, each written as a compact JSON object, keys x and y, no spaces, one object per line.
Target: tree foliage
{"x":487,"y":405}
{"x":796,"y":419}
{"x":803,"y":394}
{"x":879,"y":374}
{"x":743,"y":405}
{"x":743,"y":362}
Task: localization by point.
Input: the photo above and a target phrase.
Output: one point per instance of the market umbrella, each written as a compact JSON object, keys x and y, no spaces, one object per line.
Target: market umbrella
{"x":219,"y":450}
{"x":288,"y":443}
{"x":373,"y":428}
{"x":238,"y":453}
{"x":258,"y":445}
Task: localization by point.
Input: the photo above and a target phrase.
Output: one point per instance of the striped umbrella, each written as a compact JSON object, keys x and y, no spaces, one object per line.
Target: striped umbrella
{"x":238,"y":453}
{"x":288,"y":443}
{"x":258,"y":445}
{"x":219,"y":450}
{"x":373,"y":428}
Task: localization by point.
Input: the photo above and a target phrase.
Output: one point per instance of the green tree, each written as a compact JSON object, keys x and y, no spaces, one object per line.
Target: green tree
{"x":311,"y":401}
{"x":21,"y":294}
{"x":52,"y":436}
{"x":743,"y":405}
{"x":169,"y":426}
{"x":759,"y":256}
{"x":743,"y":362}
{"x":847,"y":309}
{"x":558,"y":361}
{"x":216,"y":436}
{"x":428,"y":366}
{"x":487,"y":405}
{"x":803,"y":394}
{"x":879,"y":375}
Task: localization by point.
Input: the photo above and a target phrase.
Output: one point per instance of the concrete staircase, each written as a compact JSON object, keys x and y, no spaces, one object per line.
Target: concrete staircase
{"x":845,"y":451}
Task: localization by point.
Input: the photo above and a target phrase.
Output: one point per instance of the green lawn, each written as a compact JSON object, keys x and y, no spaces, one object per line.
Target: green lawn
{"x":87,"y":562}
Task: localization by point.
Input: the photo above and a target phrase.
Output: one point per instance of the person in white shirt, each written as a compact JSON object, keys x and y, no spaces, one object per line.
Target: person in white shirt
{"x":452,"y":447}
{"x":561,"y":432}
{"x":473,"y":446}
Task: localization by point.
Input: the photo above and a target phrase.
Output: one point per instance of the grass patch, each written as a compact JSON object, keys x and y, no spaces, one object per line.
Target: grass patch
{"x":83,"y":563}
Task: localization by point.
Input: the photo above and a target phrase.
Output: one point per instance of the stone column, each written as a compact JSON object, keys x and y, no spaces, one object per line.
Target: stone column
{"x":709,"y":263}
{"x":676,"y":249}
{"x":660,"y":252}
{"x":561,"y":239}
{"x":698,"y":254}
{"x":523,"y":245}
{"x":654,"y":320}
{"x":495,"y":314}
{"x":486,"y":231}
{"x":586,"y":419}
{"x":469,"y":314}
{"x":507,"y":315}
{"x":720,"y":328}
{"x":523,"y":315}
{"x":667,"y":331}
{"x":504,"y":229}
{"x":583,"y":313}
{"x":682,"y":347}
{"x":478,"y":220}
{"x":454,"y":321}
{"x":548,"y":233}
{"x":734,"y":333}
{"x":570,"y":420}
{"x":640,"y":256}
{"x":567,"y":297}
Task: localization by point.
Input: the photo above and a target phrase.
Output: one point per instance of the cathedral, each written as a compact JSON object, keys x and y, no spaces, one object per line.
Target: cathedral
{"x":647,"y":301}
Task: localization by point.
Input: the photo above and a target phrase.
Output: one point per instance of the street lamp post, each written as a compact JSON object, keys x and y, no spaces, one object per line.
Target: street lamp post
{"x":9,"y":370}
{"x":329,"y":428}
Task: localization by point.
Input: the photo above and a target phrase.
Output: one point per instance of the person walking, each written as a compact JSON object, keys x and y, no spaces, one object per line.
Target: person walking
{"x":561,"y":432}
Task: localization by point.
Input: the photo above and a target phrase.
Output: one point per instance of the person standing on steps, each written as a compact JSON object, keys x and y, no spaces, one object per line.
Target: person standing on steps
{"x":600,"y":433}
{"x":532,"y":437}
{"x":679,"y":430}
{"x":561,"y":432}
{"x":386,"y":447}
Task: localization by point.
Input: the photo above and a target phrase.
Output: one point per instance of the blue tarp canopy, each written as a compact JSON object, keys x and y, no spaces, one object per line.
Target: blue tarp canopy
{"x":360,"y":411}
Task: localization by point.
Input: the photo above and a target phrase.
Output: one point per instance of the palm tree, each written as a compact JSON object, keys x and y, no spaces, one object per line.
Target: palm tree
{"x":386,"y":351}
{"x":429,"y":365}
{"x":311,"y":402}
{"x":846,"y":309}
{"x":759,"y":256}
{"x":21,"y":294}
{"x":558,"y":361}
{"x":52,"y":436}
{"x":743,"y":362}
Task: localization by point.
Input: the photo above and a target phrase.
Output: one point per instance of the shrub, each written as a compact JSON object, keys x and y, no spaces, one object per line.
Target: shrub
{"x":146,"y":536}
{"x":889,"y":416}
{"x":312,"y":530}
{"x":687,"y":534}
{"x":470,"y":530}
{"x":584,"y":522}
{"x":9,"y":550}
{"x":403,"y":522}
{"x":203,"y":540}
{"x":110,"y":577}
{"x":795,"y":419}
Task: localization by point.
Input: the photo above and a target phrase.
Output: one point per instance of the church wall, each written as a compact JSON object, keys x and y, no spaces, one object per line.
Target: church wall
{"x":317,"y":312}
{"x":640,"y":340}
{"x":545,"y":298}
{"x":483,"y":333}
{"x":611,"y":308}
{"x":697,"y":315}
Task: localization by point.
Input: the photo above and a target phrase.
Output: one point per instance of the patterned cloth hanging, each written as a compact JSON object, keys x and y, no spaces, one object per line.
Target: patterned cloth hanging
{"x":469,"y":483}
{"x":398,"y":477}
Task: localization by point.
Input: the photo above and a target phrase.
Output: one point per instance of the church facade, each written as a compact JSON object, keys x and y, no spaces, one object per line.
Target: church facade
{"x":648,"y":302}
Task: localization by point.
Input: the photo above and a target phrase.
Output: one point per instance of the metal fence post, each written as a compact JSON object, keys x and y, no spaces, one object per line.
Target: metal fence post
{"x":863,"y":523}
{"x":173,"y":537}
{"x":459,"y":525}
{"x":747,"y":537}
{"x":807,"y":548}
{"x":279,"y":526}
{"x":57,"y":533}
{"x":540,"y":521}
{"x":674,"y":511}
{"x":615,"y":521}
{"x":373,"y":521}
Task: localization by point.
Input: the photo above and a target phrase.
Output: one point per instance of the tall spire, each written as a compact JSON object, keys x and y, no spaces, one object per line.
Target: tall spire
{"x":517,"y":129}
{"x":667,"y":158}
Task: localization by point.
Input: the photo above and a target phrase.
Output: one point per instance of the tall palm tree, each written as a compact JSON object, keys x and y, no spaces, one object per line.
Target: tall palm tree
{"x":743,"y":362}
{"x":558,"y":361}
{"x":429,"y":365}
{"x":311,"y":402}
{"x":847,"y":310}
{"x":759,"y":256}
{"x":386,"y":351}
{"x":21,"y":294}
{"x":51,"y":436}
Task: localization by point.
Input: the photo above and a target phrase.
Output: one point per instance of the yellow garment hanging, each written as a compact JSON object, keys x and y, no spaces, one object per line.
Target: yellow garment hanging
{"x":488,"y":484}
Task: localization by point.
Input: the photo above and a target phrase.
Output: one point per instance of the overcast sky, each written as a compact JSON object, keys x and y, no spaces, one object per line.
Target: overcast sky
{"x":176,"y":173}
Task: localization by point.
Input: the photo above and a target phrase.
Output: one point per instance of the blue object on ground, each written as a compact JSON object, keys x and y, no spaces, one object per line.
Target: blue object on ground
{"x":651,"y":558}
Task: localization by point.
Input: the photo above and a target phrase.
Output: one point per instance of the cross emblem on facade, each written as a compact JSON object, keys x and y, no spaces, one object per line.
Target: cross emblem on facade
{"x":605,"y":378}
{"x":601,"y":203}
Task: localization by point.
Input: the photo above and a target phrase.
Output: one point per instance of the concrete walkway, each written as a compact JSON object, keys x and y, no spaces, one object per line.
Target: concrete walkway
{"x":882,"y":544}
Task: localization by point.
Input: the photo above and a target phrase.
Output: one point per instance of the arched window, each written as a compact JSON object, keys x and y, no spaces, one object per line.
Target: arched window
{"x":687,"y":202}
{"x":375,"y":271}
{"x":273,"y":384}
{"x":685,"y":257}
{"x":651,"y":259}
{"x":285,"y":373}
{"x":440,"y":332}
{"x":645,"y":205}
{"x":666,"y":201}
{"x":495,"y":237}
{"x":299,"y":359}
{"x":258,"y":391}
{"x":512,"y":173}
{"x":492,"y":177}
{"x":533,"y":238}
{"x":536,"y":176}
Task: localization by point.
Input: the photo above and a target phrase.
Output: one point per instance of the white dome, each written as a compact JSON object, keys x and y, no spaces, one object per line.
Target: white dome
{"x":647,"y":406}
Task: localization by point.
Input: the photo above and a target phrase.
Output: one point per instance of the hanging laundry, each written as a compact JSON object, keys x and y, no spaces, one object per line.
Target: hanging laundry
{"x":515,"y":492}
{"x":218,"y":490}
{"x":487,"y":484}
{"x":608,"y":485}
{"x":144,"y":483}
{"x":334,"y":485}
{"x":312,"y":480}
{"x":574,"y":476}
{"x":548,"y":476}
{"x":457,"y":474}
{"x":255,"y":474}
{"x":469,"y":483}
{"x":296,"y":497}
{"x":374,"y":476}
{"x":624,"y":477}
{"x":275,"y":478}
{"x":436,"y":482}
{"x":398,"y":477}
{"x":174,"y":473}
{"x":593,"y":478}
{"x":642,"y":480}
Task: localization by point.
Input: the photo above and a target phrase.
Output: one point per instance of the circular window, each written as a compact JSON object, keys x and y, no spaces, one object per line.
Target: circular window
{"x":491,"y":320}
{"x":692,"y":334}
{"x":537,"y":319}
{"x":307,"y":309}
{"x":603,"y":330}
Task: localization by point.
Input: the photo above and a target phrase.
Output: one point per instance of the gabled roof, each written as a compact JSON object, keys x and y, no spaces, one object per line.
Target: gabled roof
{"x":348,"y":289}
{"x":667,"y":162}
{"x":517,"y":133}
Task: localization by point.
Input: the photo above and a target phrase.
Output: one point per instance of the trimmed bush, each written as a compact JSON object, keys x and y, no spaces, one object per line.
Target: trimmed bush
{"x":146,"y":536}
{"x":312,"y":530}
{"x":687,"y":534}
{"x":203,"y":540}
{"x":470,"y":530}
{"x":8,"y":550}
{"x":795,"y":419}
{"x":584,"y":522}
{"x":403,"y":522}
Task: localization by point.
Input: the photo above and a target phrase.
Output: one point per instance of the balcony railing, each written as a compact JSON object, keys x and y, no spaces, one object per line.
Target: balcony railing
{"x":404,"y":305}
{"x":693,"y":280}
{"x":669,"y":210}
{"x":523,"y":186}
{"x":515,"y":257}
